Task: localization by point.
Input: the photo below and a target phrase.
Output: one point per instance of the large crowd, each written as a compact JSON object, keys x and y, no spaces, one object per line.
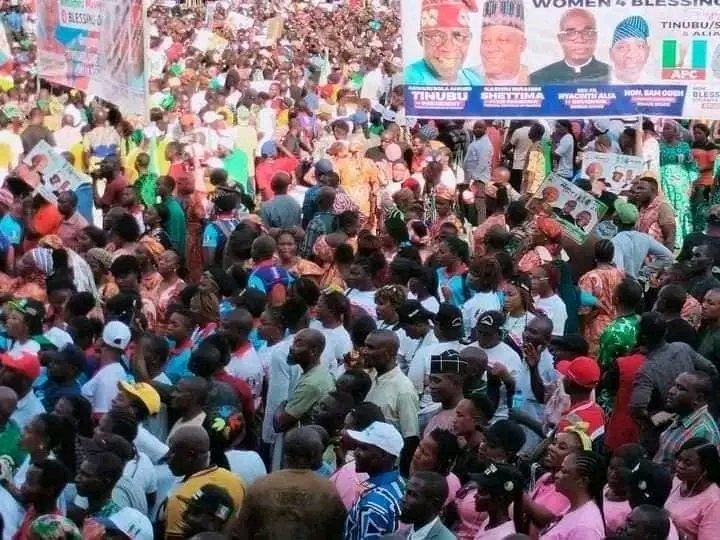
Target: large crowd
{"x":281,"y":309}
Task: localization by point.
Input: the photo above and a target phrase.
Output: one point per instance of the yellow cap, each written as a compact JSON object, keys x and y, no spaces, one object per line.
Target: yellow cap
{"x":145,"y":393}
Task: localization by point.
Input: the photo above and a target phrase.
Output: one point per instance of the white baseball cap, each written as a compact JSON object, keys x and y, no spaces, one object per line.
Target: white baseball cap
{"x":116,"y":334}
{"x":382,"y":435}
{"x":132,"y":523}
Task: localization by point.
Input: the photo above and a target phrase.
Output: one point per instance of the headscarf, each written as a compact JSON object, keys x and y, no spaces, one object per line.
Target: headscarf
{"x":580,"y":429}
{"x":40,"y":258}
{"x":154,"y":247}
{"x":101,"y":256}
{"x":322,"y":250}
{"x":54,"y":527}
{"x":550,"y":228}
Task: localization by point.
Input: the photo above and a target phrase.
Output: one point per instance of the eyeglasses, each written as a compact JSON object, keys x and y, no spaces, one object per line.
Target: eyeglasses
{"x":437,"y":38}
{"x":573,"y":35}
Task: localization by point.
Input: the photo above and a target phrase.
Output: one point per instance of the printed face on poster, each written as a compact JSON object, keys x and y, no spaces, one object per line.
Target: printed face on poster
{"x":616,"y":171}
{"x":561,"y":58}
{"x":576,"y":210}
{"x":48,"y":172}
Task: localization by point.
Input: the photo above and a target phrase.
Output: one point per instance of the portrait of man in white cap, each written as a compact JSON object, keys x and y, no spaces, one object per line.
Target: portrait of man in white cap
{"x":578,"y":39}
{"x":445,"y":37}
{"x":502,"y":42}
{"x":630,"y":50}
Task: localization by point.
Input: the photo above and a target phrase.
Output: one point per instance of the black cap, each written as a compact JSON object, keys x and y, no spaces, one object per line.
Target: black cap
{"x":412,"y":311}
{"x":213,"y":500}
{"x":507,"y":435}
{"x":449,"y":316}
{"x":490,"y":319}
{"x":448,"y":361}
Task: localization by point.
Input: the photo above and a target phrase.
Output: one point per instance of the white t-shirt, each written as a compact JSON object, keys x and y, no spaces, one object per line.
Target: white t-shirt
{"x":476,"y":306}
{"x":337,"y":342}
{"x":142,"y":472}
{"x":150,"y":445}
{"x":565,"y":150}
{"x":419,"y":371}
{"x":103,"y":387}
{"x":430,"y":303}
{"x":447,"y":179}
{"x":30,"y":346}
{"x":248,"y":367}
{"x":364,"y":300}
{"x":503,"y":354}
{"x":247,"y":465}
{"x":521,"y":144}
{"x":12,"y":514}
{"x":555,"y":309}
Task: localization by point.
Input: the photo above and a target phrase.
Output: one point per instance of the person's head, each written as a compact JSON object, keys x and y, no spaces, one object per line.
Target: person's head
{"x":562,"y":444}
{"x":181,"y":324}
{"x":125,"y":230}
{"x":126,"y":271}
{"x":452,"y":252}
{"x":648,"y":483}
{"x":670,"y":130}
{"x":544,"y":280}
{"x":190,"y":395}
{"x":333,"y":308}
{"x":8,"y":404}
{"x":236,"y":327}
{"x":414,"y":319}
{"x":139,"y":399}
{"x":671,"y":300}
{"x":355,"y":382}
{"x":581,"y":376}
{"x":488,"y":328}
{"x":330,"y":412}
{"x":502,"y":42}
{"x":208,"y":510}
{"x":43,"y":434}
{"x":97,"y":475}
{"x":280,"y":183}
{"x":210,"y":356}
{"x":78,"y":411}
{"x":425,"y":495}
{"x":628,"y":295}
{"x":445,"y":40}
{"x":65,"y":365}
{"x":647,"y":522}
{"x":306,"y":348}
{"x":67,"y":202}
{"x":697,"y":459}
{"x":448,"y":325}
{"x":436,"y":452}
{"x":447,"y":372}
{"x":388,"y":300}
{"x":119,"y":422}
{"x":165,"y":186}
{"x":189,"y":450}
{"x":538,"y":331}
{"x":377,"y":448}
{"x":689,"y":392}
{"x":472,"y":414}
{"x":502,"y":441}
{"x":484,"y":274}
{"x":44,"y":481}
{"x":263,"y":248}
{"x":19,"y":372}
{"x":518,"y":295}
{"x":624,"y":459}
{"x":498,"y":486}
{"x":604,"y":252}
{"x":303,"y":448}
{"x":644,"y":190}
{"x":577,"y":36}
{"x":24,"y":319}
{"x":630,"y":49}
{"x":651,"y":330}
{"x":582,"y":472}
{"x":711,"y":306}
{"x":271,"y":326}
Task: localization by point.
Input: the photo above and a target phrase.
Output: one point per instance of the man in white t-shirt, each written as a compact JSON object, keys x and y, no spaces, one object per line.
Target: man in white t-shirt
{"x":564,"y":150}
{"x":520,"y":143}
{"x":103,"y":387}
{"x":244,"y":360}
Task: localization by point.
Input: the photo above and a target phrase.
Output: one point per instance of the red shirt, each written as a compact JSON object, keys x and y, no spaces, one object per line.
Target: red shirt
{"x":242,"y":389}
{"x":587,"y":412}
{"x":265,"y":171}
{"x":114,"y":188}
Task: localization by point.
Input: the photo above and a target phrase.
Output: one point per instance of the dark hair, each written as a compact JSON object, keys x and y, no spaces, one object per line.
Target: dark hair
{"x":365,"y":414}
{"x":459,"y":248}
{"x":707,"y":454}
{"x":358,"y":385}
{"x":124,"y":306}
{"x":483,"y":404}
{"x":254,"y":300}
{"x":126,"y":227}
{"x":162,"y":212}
{"x":629,"y":293}
{"x":96,"y":234}
{"x":592,"y":466}
{"x":80,"y":304}
{"x":54,"y":476}
{"x":488,"y":273}
{"x":82,"y":413}
{"x":360,"y":329}
{"x":507,"y":264}
{"x":109,"y":466}
{"x":671,"y":298}
{"x":604,"y":251}
{"x":293,"y":311}
{"x":630,"y":454}
{"x":306,"y":289}
{"x":447,"y":449}
{"x":60,"y":438}
{"x":159,"y":346}
{"x":125,"y":265}
{"x":338,"y":304}
{"x":652,"y":328}
{"x":123,"y":423}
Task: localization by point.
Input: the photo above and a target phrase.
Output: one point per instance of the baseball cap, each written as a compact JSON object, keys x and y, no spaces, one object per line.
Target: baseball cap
{"x":25,"y":363}
{"x":213,"y":500}
{"x":490,"y":320}
{"x":583,"y":371}
{"x":58,"y":337}
{"x":116,"y":334}
{"x":132,"y":523}
{"x":627,"y":213}
{"x":144,"y":392}
{"x":412,"y":311}
{"x":382,"y":435}
{"x":449,"y":316}
{"x":323,"y":166}
{"x":507,"y":435}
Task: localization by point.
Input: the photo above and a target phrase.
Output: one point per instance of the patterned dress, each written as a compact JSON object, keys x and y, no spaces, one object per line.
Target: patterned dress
{"x":617,"y":340}
{"x":678,"y":172}
{"x":601,"y":283}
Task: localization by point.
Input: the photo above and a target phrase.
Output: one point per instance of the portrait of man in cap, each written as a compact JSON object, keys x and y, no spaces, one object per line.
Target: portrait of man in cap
{"x":578,"y":38}
{"x":502,"y":42}
{"x":630,"y":50}
{"x":445,"y":38}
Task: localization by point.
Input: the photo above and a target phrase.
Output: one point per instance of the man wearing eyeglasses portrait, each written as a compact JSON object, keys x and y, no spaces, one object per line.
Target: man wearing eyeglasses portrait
{"x":578,"y":39}
{"x":445,"y":37}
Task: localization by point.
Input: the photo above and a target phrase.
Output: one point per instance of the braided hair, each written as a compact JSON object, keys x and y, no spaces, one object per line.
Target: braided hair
{"x":591,"y":465}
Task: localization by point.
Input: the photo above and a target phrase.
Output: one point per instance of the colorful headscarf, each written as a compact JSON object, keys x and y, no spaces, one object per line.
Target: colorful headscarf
{"x":101,"y":256}
{"x":40,"y":258}
{"x":549,"y":227}
{"x":154,"y":247}
{"x":322,"y":250}
{"x":580,"y":429}
{"x":53,"y":527}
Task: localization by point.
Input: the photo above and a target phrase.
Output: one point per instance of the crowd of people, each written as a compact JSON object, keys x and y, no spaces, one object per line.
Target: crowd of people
{"x":281,"y":309}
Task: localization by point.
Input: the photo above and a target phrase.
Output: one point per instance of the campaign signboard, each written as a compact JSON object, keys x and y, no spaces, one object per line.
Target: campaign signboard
{"x":45,"y":170}
{"x":576,"y":210}
{"x":97,"y":46}
{"x":616,"y":171}
{"x":561,"y":58}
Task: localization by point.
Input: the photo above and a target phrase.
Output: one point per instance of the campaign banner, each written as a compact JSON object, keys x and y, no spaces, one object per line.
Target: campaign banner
{"x":45,"y":170}
{"x":575,"y":209}
{"x":205,"y":41}
{"x":561,"y":58}
{"x":97,"y":46}
{"x":616,"y":171}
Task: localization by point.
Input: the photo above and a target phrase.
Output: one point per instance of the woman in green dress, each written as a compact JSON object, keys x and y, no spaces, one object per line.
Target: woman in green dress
{"x":678,"y":172}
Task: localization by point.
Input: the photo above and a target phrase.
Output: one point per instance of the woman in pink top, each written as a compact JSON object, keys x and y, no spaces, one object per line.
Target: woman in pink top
{"x":498,"y":487}
{"x":616,"y":507}
{"x":649,"y":484}
{"x":581,"y":479}
{"x":437,"y":452}
{"x":544,"y":504}
{"x":694,"y":502}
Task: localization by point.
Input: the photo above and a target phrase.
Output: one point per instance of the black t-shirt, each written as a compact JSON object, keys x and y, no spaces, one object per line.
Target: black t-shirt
{"x":679,"y":330}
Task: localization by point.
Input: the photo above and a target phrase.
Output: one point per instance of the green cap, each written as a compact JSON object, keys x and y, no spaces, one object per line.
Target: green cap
{"x":627,"y":213}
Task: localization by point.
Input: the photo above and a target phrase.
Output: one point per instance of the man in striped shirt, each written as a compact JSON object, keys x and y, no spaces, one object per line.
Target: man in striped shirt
{"x":687,"y":398}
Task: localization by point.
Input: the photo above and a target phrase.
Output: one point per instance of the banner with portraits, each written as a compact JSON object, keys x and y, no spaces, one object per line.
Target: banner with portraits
{"x":97,"y":46}
{"x":561,"y":58}
{"x":616,"y":171}
{"x":576,"y":210}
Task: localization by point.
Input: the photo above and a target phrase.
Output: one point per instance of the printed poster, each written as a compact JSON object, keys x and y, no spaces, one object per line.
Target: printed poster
{"x":575,"y":209}
{"x":616,"y":171}
{"x":561,"y":58}
{"x":44,"y":169}
{"x":206,"y":41}
{"x":97,"y":46}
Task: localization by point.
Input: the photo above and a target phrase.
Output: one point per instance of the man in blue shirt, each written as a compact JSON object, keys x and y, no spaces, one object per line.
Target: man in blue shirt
{"x":180,"y":327}
{"x":10,"y":226}
{"x":377,"y":511}
{"x":63,"y":368}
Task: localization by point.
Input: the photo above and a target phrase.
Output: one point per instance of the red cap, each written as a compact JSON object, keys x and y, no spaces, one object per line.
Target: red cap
{"x":583,"y":371}
{"x":25,"y":363}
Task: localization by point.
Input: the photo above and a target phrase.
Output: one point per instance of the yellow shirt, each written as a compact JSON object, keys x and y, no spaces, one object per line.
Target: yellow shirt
{"x":214,"y":475}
